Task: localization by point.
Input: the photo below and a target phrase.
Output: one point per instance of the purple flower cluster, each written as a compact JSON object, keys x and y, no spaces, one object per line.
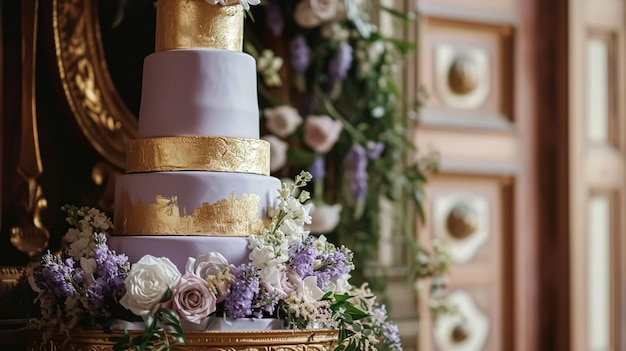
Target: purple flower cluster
{"x":392,"y":336}
{"x":341,"y":62}
{"x":300,"y":54}
{"x":242,"y":291}
{"x":111,"y":270}
{"x":357,"y":165}
{"x":275,"y":20}
{"x":333,"y":265}
{"x":91,"y":284}
{"x":318,"y":168}
{"x":55,"y":277}
{"x":330,"y":266}
{"x":265,"y":303}
{"x":303,"y":256}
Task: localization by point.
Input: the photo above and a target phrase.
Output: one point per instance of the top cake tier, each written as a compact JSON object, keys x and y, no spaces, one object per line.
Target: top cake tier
{"x":183,"y":24}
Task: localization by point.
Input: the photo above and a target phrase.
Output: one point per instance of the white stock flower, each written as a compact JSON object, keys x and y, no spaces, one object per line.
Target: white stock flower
{"x":282,"y":120}
{"x":292,"y":230}
{"x":99,"y":220}
{"x":324,"y":218}
{"x":278,"y":152}
{"x":321,"y":133}
{"x":146,"y":283}
{"x":205,"y":265}
{"x":309,"y":290}
{"x":262,"y":256}
{"x":268,"y":64}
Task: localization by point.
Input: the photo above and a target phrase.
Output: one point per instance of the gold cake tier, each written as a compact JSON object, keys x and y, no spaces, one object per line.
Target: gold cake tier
{"x":184,"y":24}
{"x":234,"y":216}
{"x":219,"y":154}
{"x":267,"y":340}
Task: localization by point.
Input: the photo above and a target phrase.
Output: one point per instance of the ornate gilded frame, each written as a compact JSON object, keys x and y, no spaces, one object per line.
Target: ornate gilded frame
{"x":94,"y":102}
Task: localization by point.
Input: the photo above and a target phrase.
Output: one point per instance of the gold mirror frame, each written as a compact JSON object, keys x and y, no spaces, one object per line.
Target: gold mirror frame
{"x":93,"y":99}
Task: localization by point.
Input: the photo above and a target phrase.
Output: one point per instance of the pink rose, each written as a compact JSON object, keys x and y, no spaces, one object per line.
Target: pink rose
{"x":278,"y":152}
{"x":274,"y":278}
{"x":311,"y":13}
{"x":282,"y":120}
{"x":324,"y":9}
{"x":321,"y":133}
{"x":191,"y":299}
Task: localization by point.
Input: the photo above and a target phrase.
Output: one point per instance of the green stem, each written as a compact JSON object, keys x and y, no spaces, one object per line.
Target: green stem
{"x":332,"y":111}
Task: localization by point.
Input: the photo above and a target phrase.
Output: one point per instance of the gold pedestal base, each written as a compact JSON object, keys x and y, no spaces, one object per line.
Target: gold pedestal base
{"x":271,"y":340}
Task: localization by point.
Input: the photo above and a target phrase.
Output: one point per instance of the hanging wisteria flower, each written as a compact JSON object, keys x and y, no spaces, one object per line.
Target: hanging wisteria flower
{"x":341,"y":62}
{"x":300,"y":54}
{"x":282,"y":120}
{"x":357,"y":165}
{"x":275,"y":20}
{"x":321,"y":133}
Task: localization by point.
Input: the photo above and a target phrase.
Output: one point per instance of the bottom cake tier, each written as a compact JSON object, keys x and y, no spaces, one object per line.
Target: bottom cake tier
{"x":179,"y":248}
{"x":273,"y":340}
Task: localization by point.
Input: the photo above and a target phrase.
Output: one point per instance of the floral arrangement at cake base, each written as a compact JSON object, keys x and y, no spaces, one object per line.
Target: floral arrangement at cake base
{"x":292,"y":276}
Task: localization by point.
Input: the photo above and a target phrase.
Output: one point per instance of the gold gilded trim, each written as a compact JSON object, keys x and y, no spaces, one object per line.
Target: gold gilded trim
{"x":197,"y":24}
{"x":221,"y":154}
{"x":234,"y":216}
{"x":90,"y":93}
{"x":267,"y":340}
{"x":29,"y":236}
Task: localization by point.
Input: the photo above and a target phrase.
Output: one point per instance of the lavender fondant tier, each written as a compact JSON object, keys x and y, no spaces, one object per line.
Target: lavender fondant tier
{"x":199,"y":92}
{"x":179,"y":248}
{"x":193,"y":203}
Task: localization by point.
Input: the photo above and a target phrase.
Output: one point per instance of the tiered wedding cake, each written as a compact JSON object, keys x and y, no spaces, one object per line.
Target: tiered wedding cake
{"x":198,"y":173}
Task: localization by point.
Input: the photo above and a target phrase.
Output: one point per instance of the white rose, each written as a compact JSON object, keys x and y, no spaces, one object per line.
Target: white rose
{"x":203,"y":266}
{"x":321,"y":133}
{"x":278,"y":152}
{"x":146,"y":283}
{"x":324,"y":218}
{"x":282,"y":120}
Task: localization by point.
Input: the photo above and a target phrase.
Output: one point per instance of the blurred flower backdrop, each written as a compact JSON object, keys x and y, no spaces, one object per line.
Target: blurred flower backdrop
{"x":330,"y":104}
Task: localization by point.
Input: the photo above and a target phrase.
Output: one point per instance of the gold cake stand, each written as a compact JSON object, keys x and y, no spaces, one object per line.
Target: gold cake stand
{"x":271,"y":340}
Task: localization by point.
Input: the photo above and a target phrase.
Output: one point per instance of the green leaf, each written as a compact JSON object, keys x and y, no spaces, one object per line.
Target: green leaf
{"x":167,"y":295}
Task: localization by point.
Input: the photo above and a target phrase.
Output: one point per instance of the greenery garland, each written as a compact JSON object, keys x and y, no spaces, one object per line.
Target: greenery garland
{"x":334,"y":62}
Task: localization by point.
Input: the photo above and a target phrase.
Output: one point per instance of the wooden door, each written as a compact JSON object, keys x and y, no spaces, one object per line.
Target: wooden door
{"x":597,"y":153}
{"x":495,"y":114}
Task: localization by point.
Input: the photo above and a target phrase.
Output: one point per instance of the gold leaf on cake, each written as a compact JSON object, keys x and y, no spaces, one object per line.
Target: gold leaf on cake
{"x":233,"y":216}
